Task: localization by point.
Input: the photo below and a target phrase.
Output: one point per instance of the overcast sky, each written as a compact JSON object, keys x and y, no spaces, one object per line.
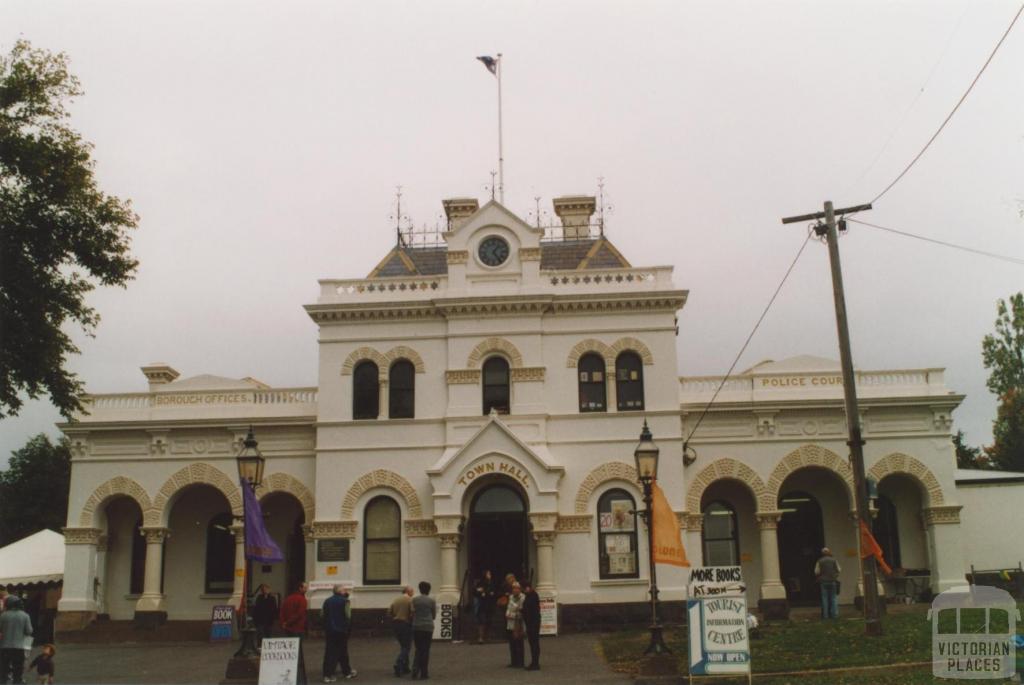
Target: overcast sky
{"x":261,"y":143}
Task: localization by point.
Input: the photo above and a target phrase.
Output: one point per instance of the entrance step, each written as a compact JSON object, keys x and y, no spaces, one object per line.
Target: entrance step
{"x":105,"y":632}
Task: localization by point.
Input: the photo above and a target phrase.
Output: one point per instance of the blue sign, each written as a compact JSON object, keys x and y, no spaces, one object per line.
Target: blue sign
{"x":223,"y":623}
{"x":719,"y":642}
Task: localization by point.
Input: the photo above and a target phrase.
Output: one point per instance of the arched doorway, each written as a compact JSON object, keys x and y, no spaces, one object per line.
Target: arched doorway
{"x":801,"y":537}
{"x":498,"y":532}
{"x":283,"y":517}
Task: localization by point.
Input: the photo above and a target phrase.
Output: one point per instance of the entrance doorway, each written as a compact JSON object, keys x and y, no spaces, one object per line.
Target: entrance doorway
{"x":498,"y":533}
{"x":801,"y":537}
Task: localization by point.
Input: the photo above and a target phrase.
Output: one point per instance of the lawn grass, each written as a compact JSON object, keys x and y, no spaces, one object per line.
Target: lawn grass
{"x":807,"y":645}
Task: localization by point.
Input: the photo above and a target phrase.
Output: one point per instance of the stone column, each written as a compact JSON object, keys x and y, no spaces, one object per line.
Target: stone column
{"x":238,"y":589}
{"x":694,"y":543}
{"x":943,"y":524}
{"x":77,"y":606}
{"x":448,"y":534}
{"x":151,"y":609}
{"x":382,"y":386}
{"x":609,"y":383}
{"x":101,"y":575}
{"x":544,"y":535}
{"x":310,"y":569}
{"x":773,"y":602}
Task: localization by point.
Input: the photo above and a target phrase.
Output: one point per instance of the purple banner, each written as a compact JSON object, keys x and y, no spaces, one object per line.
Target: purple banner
{"x":259,"y":546}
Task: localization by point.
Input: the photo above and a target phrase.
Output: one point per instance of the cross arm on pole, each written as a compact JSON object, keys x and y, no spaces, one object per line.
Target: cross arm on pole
{"x":821,"y":215}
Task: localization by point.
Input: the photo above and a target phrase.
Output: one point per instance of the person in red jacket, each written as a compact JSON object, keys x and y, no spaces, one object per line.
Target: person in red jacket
{"x":293,"y":622}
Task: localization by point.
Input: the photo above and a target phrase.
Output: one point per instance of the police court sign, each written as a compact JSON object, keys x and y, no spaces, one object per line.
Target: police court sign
{"x":717,"y":614}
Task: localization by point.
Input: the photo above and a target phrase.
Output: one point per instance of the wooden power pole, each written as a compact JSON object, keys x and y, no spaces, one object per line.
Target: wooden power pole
{"x":868,"y":570}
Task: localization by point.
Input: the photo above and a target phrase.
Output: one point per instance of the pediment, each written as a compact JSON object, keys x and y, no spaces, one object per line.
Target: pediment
{"x":211,"y":382}
{"x":804,"y":363}
{"x":495,"y":450}
{"x":493,"y":214}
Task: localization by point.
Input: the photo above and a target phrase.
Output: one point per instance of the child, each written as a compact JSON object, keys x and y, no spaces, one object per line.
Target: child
{"x":44,"y":665}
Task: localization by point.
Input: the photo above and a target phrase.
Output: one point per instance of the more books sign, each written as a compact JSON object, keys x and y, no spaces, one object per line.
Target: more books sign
{"x":717,"y":615}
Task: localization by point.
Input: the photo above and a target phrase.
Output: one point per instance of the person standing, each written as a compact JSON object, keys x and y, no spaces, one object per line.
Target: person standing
{"x":264,"y":611}
{"x":484,"y":597}
{"x":15,"y":626}
{"x":531,"y":623}
{"x":424,"y":611}
{"x":337,"y":614}
{"x":401,"y":622}
{"x":514,"y":626}
{"x":293,"y":622}
{"x":3,"y":598}
{"x":827,"y":571}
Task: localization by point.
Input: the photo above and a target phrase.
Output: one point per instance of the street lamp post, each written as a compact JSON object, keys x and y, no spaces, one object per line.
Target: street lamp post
{"x":244,"y":665}
{"x":646,"y":455}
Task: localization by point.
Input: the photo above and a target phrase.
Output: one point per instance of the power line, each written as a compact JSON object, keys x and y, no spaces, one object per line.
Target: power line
{"x":920,"y":92}
{"x":1003,"y":258}
{"x":749,"y":338}
{"x":955,"y":108}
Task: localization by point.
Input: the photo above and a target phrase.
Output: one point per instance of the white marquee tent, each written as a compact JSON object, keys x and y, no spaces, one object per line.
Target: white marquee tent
{"x":39,"y":558}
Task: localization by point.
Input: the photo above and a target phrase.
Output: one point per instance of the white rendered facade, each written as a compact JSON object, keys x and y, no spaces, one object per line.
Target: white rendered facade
{"x":165,"y":458}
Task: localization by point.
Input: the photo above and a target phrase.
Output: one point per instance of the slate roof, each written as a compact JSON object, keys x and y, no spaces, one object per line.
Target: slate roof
{"x":562,"y":255}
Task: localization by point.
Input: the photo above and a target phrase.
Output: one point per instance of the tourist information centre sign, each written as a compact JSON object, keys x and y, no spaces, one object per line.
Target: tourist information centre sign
{"x":716,"y":610}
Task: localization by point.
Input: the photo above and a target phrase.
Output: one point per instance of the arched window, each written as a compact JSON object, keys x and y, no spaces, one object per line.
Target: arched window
{"x":592,"y":383}
{"x":382,"y":542}
{"x":616,"y":536}
{"x":886,"y":530}
{"x":365,"y":391}
{"x":402,"y":390}
{"x":629,"y":382}
{"x":137,"y":576}
{"x":720,"y":535}
{"x":496,"y":386}
{"x":220,"y":555}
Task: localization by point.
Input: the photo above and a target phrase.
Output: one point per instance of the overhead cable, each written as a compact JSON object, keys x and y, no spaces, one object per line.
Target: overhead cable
{"x":991,"y":255}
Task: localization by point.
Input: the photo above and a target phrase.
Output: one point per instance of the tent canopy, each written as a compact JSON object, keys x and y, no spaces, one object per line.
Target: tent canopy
{"x":39,"y":558}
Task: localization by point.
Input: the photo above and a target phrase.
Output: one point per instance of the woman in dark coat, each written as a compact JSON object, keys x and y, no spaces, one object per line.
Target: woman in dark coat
{"x":531,"y":622}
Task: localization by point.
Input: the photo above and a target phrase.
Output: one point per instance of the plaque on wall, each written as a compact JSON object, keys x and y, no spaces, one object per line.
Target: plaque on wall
{"x":335,"y":549}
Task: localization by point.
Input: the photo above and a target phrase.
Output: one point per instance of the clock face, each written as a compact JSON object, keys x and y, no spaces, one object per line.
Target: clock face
{"x":493,"y":251}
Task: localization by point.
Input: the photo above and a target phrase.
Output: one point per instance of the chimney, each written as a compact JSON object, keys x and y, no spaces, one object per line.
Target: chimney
{"x":575,"y":212}
{"x":159,"y":373}
{"x":458,"y":209}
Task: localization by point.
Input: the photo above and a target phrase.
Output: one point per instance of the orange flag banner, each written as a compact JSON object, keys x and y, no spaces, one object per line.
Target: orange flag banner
{"x":668,"y":539}
{"x":869,"y":547}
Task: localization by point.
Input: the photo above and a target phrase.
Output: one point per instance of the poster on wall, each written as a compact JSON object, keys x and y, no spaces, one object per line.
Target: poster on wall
{"x":279,"y":661}
{"x":222,"y":623}
{"x":548,"y":615}
{"x":617,"y":544}
{"x":622,"y":564}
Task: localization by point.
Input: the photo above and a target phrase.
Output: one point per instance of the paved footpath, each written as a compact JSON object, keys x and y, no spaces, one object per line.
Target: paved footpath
{"x":564,"y":659}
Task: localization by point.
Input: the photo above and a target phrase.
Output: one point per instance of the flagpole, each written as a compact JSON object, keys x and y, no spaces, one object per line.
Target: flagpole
{"x":501,"y":155}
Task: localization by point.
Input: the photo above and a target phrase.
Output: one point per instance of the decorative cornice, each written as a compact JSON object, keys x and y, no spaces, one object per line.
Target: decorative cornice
{"x":420,"y":528}
{"x":449,"y":540}
{"x":949,"y":513}
{"x":334,"y":529}
{"x":543,"y":521}
{"x":694,"y":522}
{"x":527,"y":374}
{"x":574,"y":523}
{"x":307,"y":532}
{"x":544,"y":537}
{"x":81,"y":536}
{"x":529,"y":254}
{"x":768,"y":520}
{"x":462,"y":376}
{"x":155,"y":534}
{"x":448,"y":524}
{"x":457,"y":256}
{"x":501,"y":308}
{"x":376,"y":311}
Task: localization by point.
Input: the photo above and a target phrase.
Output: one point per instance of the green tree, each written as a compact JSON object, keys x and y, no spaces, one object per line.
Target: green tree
{"x":968,"y":457}
{"x":34,"y":489}
{"x":59,"y":234}
{"x":1003,"y":354}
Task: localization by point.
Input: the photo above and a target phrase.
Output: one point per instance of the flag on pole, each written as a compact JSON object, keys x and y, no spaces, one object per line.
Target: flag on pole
{"x":259,"y":546}
{"x":490,"y":63}
{"x":869,"y":547}
{"x":668,"y":539}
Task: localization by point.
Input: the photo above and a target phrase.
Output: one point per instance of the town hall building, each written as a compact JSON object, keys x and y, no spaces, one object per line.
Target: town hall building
{"x":477,"y":408}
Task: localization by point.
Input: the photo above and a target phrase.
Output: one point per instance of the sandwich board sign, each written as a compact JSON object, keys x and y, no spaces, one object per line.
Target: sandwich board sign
{"x":717,"y":615}
{"x":279,"y":661}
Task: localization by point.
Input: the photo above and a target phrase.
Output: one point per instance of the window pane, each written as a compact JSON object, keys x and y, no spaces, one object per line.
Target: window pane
{"x":383,"y":519}
{"x":591,"y":383}
{"x":617,"y":541}
{"x":365,"y":391}
{"x":220,"y":555}
{"x":629,"y":382}
{"x":719,"y":553}
{"x":498,"y":499}
{"x":383,"y":561}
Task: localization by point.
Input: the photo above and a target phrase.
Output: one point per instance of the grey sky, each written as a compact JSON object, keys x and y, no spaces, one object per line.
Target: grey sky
{"x":261,"y":143}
